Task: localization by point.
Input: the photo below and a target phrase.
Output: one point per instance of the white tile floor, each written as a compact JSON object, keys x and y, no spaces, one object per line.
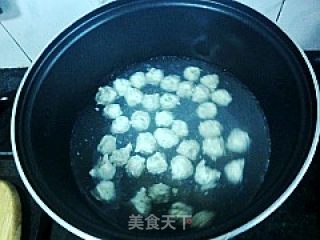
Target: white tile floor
{"x":301,"y":20}
{"x":34,"y":23}
{"x":269,"y":8}
{"x":39,"y":21}
{"x":10,"y":54}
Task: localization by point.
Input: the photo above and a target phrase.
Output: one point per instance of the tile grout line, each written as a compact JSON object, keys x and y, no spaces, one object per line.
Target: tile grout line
{"x":280,"y":10}
{"x":16,"y":42}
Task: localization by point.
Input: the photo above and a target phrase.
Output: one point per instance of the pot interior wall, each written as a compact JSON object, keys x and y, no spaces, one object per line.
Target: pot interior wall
{"x":66,"y":77}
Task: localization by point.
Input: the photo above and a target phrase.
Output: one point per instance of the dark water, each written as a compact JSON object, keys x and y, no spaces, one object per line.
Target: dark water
{"x":225,"y":200}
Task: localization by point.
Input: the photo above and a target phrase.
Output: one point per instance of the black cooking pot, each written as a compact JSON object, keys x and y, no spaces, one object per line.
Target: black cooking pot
{"x":67,"y":74}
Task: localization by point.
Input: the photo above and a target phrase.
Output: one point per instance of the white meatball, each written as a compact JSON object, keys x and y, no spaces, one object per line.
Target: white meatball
{"x":121,"y":85}
{"x":140,"y":120}
{"x":159,"y":193}
{"x":207,"y":110}
{"x":169,"y":101}
{"x":103,"y":171}
{"x":112,"y":111}
{"x":181,"y":168}
{"x":170,"y":83}
{"x":238,"y":141}
{"x":105,"y":191}
{"x":180,"y":128}
{"x":138,"y":80}
{"x":151,"y":102}
{"x":120,"y":156}
{"x":165,"y":137}
{"x":106,"y":95}
{"x":213,"y":147}
{"x":210,"y":128}
{"x":175,"y":191}
{"x":141,"y":202}
{"x":133,"y":97}
{"x":135,"y":166}
{"x":200,"y":94}
{"x":185,"y":89}
{"x":157,"y":164}
{"x":234,"y":171}
{"x":146,"y":143}
{"x":192,"y":73}
{"x":120,"y":125}
{"x":221,"y":97}
{"x":206,"y":176}
{"x":210,"y":81}
{"x":202,"y":219}
{"x":179,"y":210}
{"x":164,"y":119}
{"x":189,"y":148}
{"x":154,"y":76}
{"x":107,"y":144}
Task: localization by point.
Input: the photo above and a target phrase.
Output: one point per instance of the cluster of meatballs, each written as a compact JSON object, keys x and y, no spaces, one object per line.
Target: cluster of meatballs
{"x":148,"y":153}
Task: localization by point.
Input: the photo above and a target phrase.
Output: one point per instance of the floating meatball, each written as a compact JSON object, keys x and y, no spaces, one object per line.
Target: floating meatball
{"x":238,"y":141}
{"x":157,"y":164}
{"x":151,"y":102}
{"x":146,"y":143}
{"x":180,"y":210}
{"x":104,"y":191}
{"x":210,"y":129}
{"x":192,"y":73}
{"x":121,"y":85}
{"x":181,"y":168}
{"x":210,"y":81}
{"x":106,"y":95}
{"x":154,"y":76}
{"x":202,"y":219}
{"x":138,"y":80}
{"x":133,"y":97}
{"x":135,"y":166}
{"x":166,"y":138}
{"x":151,"y":96}
{"x":234,"y":171}
{"x":103,"y":171}
{"x":159,"y":193}
{"x":175,"y":191}
{"x":107,"y":144}
{"x":112,"y":111}
{"x":140,"y":120}
{"x":207,"y":110}
{"x":141,"y":202}
{"x":206,"y":176}
{"x":213,"y":147}
{"x":164,"y":119}
{"x":120,"y":156}
{"x":185,"y":89}
{"x":189,"y":149}
{"x":200,"y":94}
{"x":170,"y":83}
{"x":221,"y":97}
{"x":169,"y":101}
{"x":120,"y":125}
{"x":180,"y":128}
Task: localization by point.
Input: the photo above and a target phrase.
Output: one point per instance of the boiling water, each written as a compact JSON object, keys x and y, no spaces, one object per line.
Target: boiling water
{"x":226,"y":200}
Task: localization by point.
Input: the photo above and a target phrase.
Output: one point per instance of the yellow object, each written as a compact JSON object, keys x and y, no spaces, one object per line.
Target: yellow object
{"x":10,"y":212}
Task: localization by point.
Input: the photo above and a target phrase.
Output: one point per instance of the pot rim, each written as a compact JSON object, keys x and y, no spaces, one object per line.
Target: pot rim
{"x":253,"y":222}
